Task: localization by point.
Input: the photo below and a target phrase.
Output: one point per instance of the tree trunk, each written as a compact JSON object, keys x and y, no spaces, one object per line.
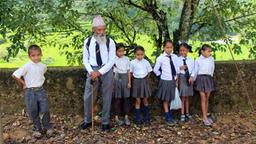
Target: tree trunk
{"x":186,"y":21}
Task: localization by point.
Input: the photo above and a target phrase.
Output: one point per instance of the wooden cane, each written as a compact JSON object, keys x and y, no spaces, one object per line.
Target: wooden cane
{"x":92,"y":89}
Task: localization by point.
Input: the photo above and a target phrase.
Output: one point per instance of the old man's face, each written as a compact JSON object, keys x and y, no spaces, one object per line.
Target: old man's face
{"x":100,"y":34}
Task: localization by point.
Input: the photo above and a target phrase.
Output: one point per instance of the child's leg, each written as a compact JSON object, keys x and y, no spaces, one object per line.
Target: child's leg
{"x":43,"y":105}
{"x":207,"y":100}
{"x":183,"y":98}
{"x":116,"y":107}
{"x":126,"y":107}
{"x":146,"y":110}
{"x":137,"y":111}
{"x":187,"y":104}
{"x":32,"y":108}
{"x":203,"y":104}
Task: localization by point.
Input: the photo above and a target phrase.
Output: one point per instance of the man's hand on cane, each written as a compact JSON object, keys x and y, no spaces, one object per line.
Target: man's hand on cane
{"x":95,"y":75}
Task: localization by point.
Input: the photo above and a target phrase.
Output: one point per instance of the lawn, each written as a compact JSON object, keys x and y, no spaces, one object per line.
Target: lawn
{"x":53,"y":56}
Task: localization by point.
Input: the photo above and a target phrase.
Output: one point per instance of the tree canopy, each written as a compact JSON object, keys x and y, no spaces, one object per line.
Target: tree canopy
{"x":28,"y":21}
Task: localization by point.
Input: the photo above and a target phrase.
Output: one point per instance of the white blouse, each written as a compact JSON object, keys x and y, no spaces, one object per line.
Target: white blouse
{"x":204,"y":66}
{"x":140,"y":69}
{"x":163,"y":62}
{"x":122,"y":65}
{"x":190,"y":64}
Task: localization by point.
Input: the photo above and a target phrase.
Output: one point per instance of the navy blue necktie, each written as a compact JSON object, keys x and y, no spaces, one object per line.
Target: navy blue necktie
{"x":98,"y":56}
{"x":186,"y":70}
{"x":172,"y":67}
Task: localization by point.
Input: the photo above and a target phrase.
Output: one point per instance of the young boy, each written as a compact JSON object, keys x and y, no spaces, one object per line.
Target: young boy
{"x":31,"y":78}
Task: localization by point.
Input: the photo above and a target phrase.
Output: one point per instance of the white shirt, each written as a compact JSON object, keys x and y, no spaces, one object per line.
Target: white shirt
{"x":190,"y":64}
{"x":33,"y":74}
{"x":140,"y":69}
{"x":108,"y":57}
{"x":122,"y":65}
{"x":163,"y":62}
{"x":204,"y":66}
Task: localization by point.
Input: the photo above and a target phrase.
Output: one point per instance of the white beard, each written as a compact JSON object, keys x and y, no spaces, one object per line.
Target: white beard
{"x":100,"y":38}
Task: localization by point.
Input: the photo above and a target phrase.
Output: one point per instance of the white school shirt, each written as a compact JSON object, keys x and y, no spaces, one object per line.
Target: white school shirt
{"x":33,"y":74}
{"x":122,"y":65}
{"x":204,"y":65}
{"x":140,"y":68}
{"x":163,"y":62}
{"x":190,"y":64}
{"x":108,"y":57}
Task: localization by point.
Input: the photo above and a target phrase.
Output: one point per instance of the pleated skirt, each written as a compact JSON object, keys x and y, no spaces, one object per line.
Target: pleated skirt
{"x":141,"y":88}
{"x":205,"y":83}
{"x":121,"y":89}
{"x":166,"y":90}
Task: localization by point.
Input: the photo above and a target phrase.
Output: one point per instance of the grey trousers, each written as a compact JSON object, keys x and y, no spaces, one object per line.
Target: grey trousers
{"x":106,"y":82}
{"x":36,"y":103}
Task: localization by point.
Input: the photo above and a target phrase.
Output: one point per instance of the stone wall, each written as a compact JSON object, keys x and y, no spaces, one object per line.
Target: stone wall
{"x":65,"y":88}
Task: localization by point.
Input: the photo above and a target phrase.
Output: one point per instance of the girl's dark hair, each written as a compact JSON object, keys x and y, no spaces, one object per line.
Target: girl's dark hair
{"x":203,"y":48}
{"x":167,"y":41}
{"x":119,"y":45}
{"x":139,"y":48}
{"x":34,"y":47}
{"x":187,"y":46}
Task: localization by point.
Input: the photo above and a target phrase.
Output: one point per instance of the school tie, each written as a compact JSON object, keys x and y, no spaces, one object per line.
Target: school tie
{"x":172,"y":67}
{"x":98,"y":56}
{"x":186,"y":70}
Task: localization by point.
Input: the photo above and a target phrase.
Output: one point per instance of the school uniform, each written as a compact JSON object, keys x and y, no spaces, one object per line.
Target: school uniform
{"x":184,"y":88}
{"x":121,"y":90}
{"x":167,"y":68}
{"x":121,"y":68}
{"x":140,"y":70}
{"x":35,"y":95}
{"x":99,"y":57}
{"x":204,"y":68}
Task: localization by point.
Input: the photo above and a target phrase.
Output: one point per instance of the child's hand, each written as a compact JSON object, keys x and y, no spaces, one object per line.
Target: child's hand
{"x":183,"y":67}
{"x":129,"y":85}
{"x":177,"y":82}
{"x":191,"y":81}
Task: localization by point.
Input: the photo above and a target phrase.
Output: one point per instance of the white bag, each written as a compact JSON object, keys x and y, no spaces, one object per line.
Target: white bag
{"x":176,"y":103}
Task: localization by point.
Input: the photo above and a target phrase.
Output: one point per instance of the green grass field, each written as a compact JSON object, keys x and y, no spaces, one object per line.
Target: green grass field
{"x":52,"y":55}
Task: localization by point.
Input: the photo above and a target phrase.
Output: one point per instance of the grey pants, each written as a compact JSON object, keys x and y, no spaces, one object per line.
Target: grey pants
{"x":106,"y":82}
{"x":36,"y":103}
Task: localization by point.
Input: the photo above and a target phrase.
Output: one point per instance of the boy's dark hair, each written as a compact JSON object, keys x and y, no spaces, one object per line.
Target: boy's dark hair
{"x":187,"y":46}
{"x":119,"y":45}
{"x":34,"y":47}
{"x":139,"y":48}
{"x":167,"y":41}
{"x":203,"y":48}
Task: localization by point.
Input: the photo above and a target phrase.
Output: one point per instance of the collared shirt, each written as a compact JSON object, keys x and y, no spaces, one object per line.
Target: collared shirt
{"x":163,"y":62}
{"x":190,"y":64}
{"x":108,"y":57}
{"x":33,"y":74}
{"x":140,"y":68}
{"x":122,"y":65}
{"x":204,"y":65}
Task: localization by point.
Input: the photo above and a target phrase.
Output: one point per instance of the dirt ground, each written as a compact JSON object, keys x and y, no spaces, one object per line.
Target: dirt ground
{"x":238,"y":128}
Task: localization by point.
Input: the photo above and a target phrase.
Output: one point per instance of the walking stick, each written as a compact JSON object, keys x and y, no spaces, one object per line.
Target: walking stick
{"x":92,"y":106}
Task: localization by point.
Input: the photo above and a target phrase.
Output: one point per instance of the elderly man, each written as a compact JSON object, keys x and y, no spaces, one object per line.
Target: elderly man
{"x":98,"y":58}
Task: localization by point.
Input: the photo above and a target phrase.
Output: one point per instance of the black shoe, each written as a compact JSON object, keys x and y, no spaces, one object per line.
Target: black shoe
{"x":85,"y":125}
{"x":147,"y":123}
{"x":106,"y":127}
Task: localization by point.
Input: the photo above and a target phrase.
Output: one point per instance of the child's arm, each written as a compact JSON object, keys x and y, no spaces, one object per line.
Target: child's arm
{"x":18,"y":74}
{"x":157,"y":67}
{"x":20,"y":81}
{"x":129,"y":79}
